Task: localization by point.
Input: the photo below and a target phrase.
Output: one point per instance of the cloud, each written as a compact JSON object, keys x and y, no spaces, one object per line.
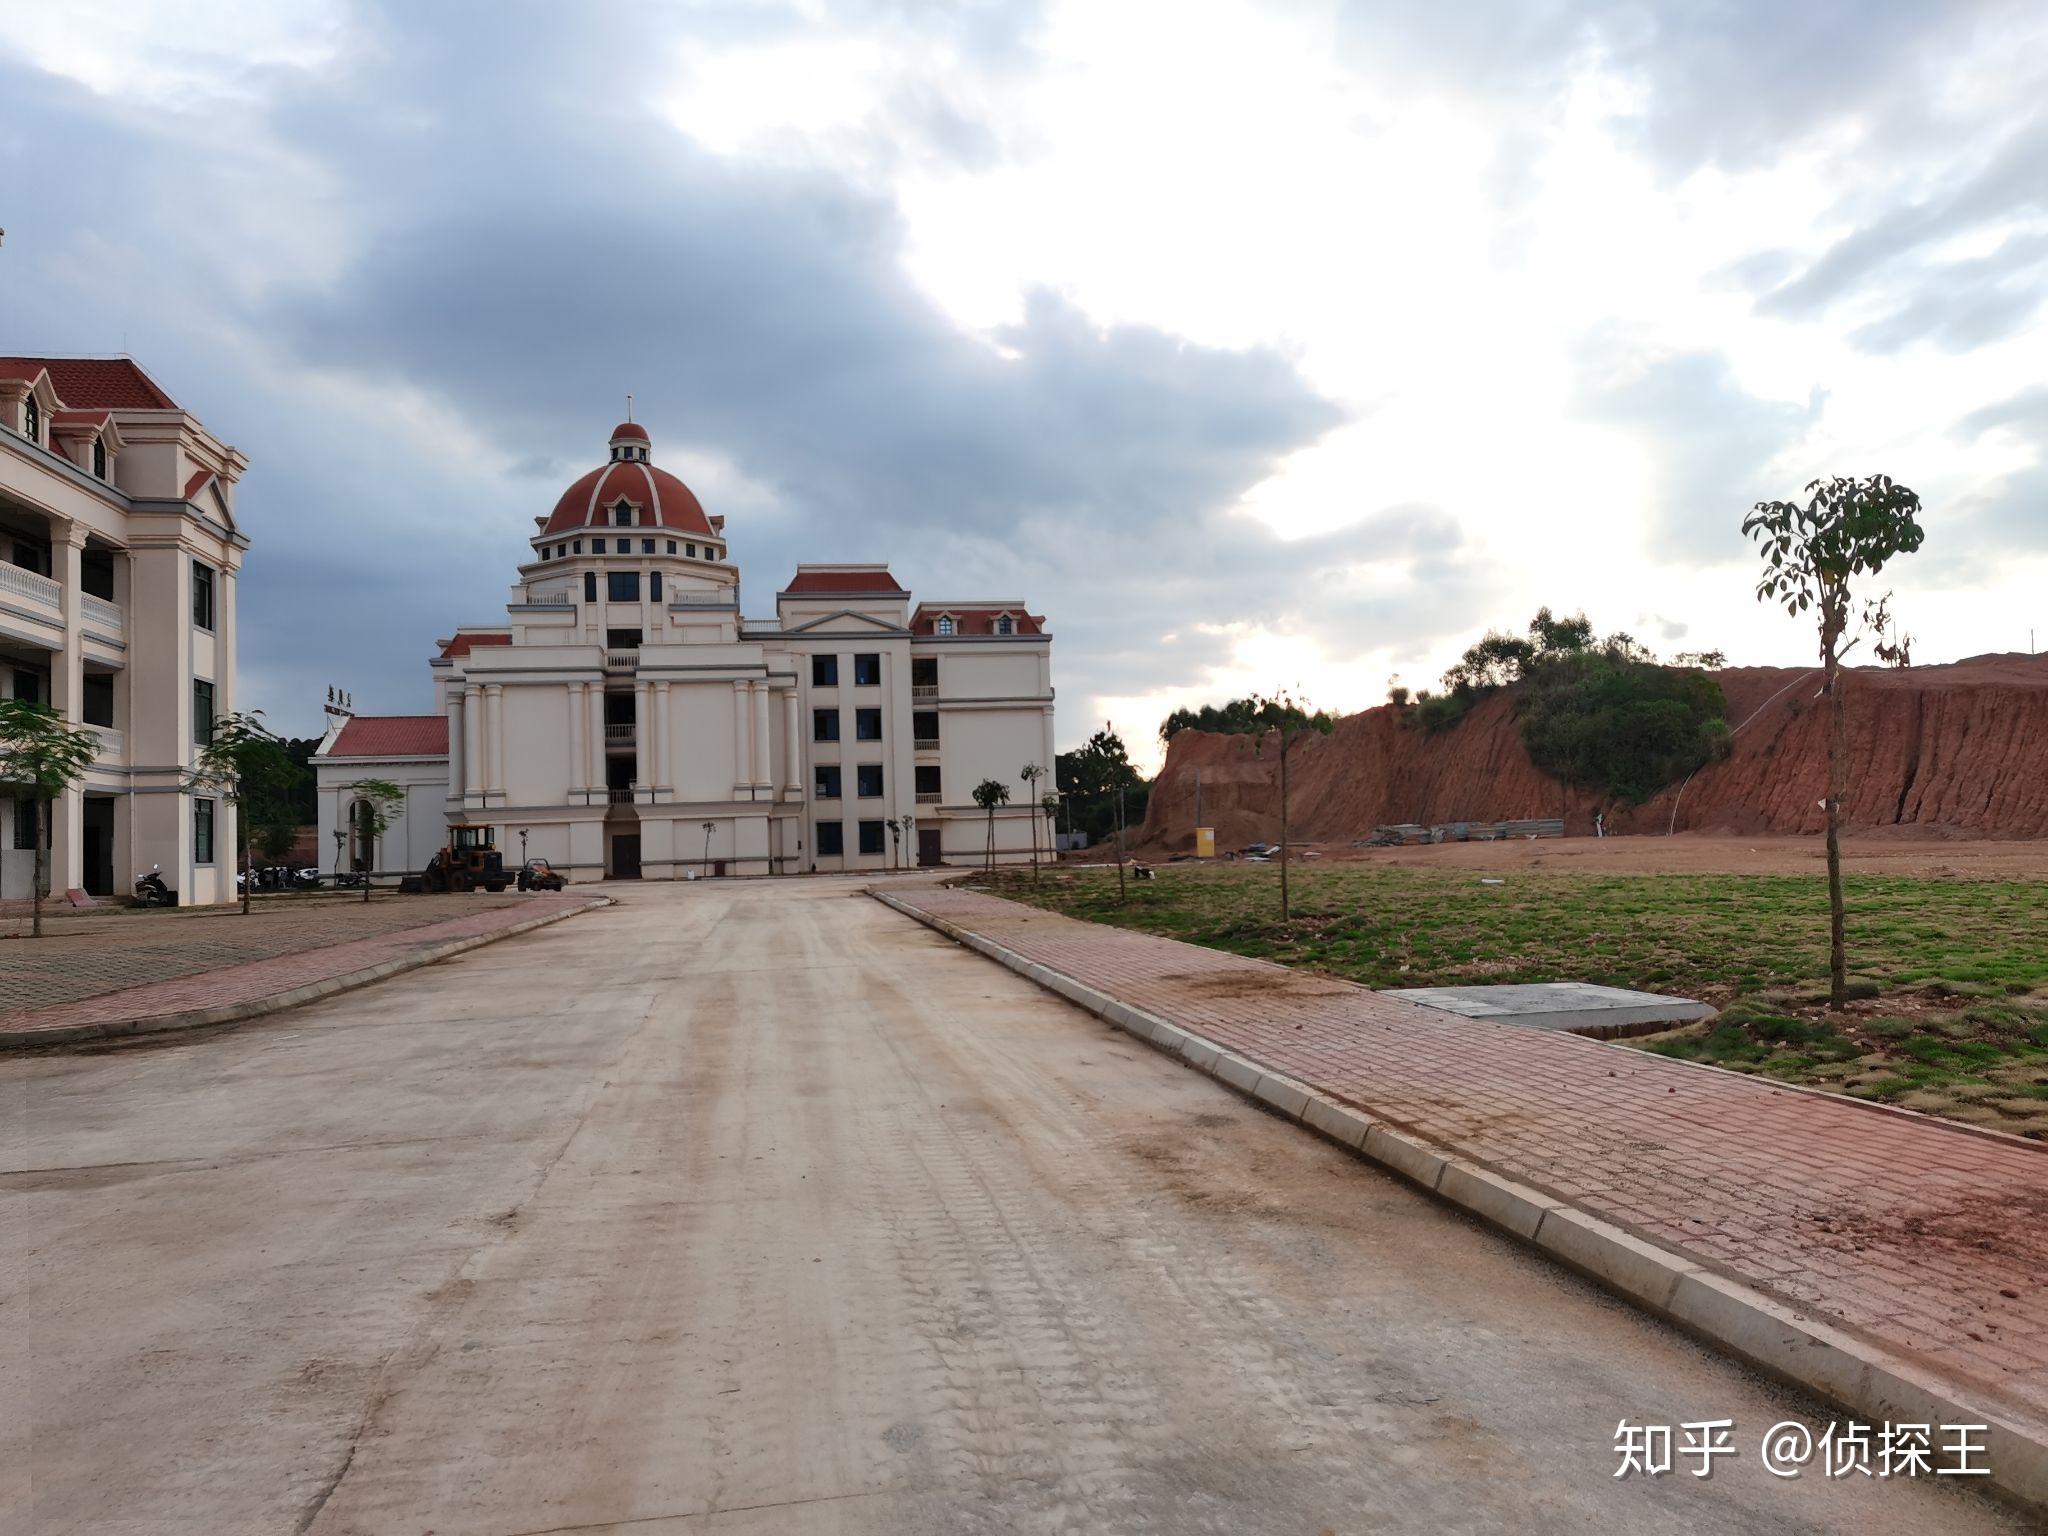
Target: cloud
{"x":1709,"y":442}
{"x":2013,"y":509}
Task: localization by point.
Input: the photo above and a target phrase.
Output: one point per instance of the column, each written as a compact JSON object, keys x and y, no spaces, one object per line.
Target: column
{"x":224,"y":638}
{"x":742,"y":737}
{"x":579,"y":759}
{"x":764,"y":768}
{"x":643,"y":737}
{"x":494,"y":736}
{"x":473,"y":766}
{"x":662,"y":737}
{"x":458,"y":758}
{"x":792,"y":755}
{"x":595,"y":694}
{"x":67,"y":695}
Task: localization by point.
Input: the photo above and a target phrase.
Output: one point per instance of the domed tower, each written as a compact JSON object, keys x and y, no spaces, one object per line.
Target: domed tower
{"x":627,"y":545}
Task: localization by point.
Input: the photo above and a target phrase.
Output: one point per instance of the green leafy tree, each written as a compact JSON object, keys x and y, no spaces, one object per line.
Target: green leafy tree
{"x":1812,"y":552}
{"x":243,"y":763}
{"x":989,"y":794}
{"x":378,"y":803}
{"x":1091,"y":777}
{"x":1250,"y":716}
{"x":1049,"y":804}
{"x":41,"y":756}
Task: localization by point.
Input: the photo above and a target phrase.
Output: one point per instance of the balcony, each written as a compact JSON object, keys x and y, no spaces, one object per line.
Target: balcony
{"x":923,"y":692}
{"x":113,"y":745}
{"x":619,"y":794}
{"x":928,"y":797}
{"x":619,"y":735}
{"x":17,"y":582}
{"x":924,"y":744}
{"x":100,"y":614}
{"x":622,"y":661}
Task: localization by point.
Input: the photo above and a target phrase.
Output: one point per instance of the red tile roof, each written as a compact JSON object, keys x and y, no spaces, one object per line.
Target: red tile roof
{"x":811,"y":581}
{"x":87,"y":383}
{"x":199,"y":478}
{"x":976,"y":620}
{"x":462,"y":645}
{"x":70,"y":418}
{"x":589,"y":502}
{"x":392,"y":736}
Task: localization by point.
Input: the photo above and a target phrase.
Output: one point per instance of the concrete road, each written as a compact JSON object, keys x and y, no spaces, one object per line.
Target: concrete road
{"x":752,"y":1208}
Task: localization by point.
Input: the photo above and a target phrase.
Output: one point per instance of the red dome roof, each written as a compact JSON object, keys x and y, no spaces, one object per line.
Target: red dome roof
{"x":658,"y":498}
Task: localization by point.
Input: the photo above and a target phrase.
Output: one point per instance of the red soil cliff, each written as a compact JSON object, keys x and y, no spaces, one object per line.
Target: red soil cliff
{"x":1958,"y":750}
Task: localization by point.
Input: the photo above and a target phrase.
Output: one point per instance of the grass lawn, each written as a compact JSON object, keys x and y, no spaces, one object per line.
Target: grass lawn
{"x":1951,"y":1013}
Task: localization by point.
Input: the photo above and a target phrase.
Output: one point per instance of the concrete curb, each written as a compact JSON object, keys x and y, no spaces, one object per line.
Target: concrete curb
{"x":1775,"y":1338}
{"x":277,"y":1002}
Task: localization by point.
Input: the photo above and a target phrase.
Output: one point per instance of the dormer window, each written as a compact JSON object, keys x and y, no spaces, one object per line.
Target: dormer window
{"x":99,"y":457}
{"x":622,"y":515}
{"x":946,"y":626}
{"x":31,"y":420}
{"x":1006,"y":625}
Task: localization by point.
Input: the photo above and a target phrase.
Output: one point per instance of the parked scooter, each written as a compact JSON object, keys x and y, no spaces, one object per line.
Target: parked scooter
{"x":151,"y":891}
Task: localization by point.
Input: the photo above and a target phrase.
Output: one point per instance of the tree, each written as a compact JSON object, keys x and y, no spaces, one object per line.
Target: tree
{"x":1812,"y":553}
{"x":1050,"y":805}
{"x":378,"y":803}
{"x":243,"y":763}
{"x":989,"y":794}
{"x":1282,"y":714}
{"x":1092,"y":776}
{"x":1031,"y":773}
{"x":41,"y":756}
{"x":905,"y":822}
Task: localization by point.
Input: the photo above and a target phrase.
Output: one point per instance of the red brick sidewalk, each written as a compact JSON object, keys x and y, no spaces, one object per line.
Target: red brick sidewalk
{"x":245,"y":989}
{"x":1927,"y":1239}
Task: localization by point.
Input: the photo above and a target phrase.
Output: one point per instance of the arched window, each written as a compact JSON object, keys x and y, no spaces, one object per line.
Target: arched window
{"x":31,"y":420}
{"x":1006,"y":625}
{"x":945,"y":624}
{"x":622,"y":515}
{"x":99,"y":457}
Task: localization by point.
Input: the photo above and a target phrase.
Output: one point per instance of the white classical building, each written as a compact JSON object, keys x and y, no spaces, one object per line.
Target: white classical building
{"x":629,"y":722}
{"x":118,"y":556}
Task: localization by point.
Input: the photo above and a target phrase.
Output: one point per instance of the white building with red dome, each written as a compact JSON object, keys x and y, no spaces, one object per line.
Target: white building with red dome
{"x":630,"y":722}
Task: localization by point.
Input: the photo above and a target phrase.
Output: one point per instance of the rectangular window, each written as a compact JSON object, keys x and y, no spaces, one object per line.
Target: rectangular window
{"x":927,"y":779}
{"x":28,"y":686}
{"x":622,"y":586}
{"x":577,"y":547}
{"x":647,"y":546}
{"x":622,"y":516}
{"x":97,"y":698}
{"x":867,"y":671}
{"x":622,"y":639}
{"x":202,"y":712}
{"x":824,"y":725}
{"x":867,"y":725}
{"x":202,"y":595}
{"x":831,"y":839}
{"x":654,"y":586}
{"x":867,"y":780}
{"x":924,"y":727}
{"x":691,"y":550}
{"x":597,"y":546}
{"x":828,"y":781}
{"x":824,"y":671}
{"x":924,"y":671}
{"x":671,"y":546}
{"x":590,"y":586}
{"x":202,"y":831}
{"x":872,"y":838}
{"x":25,"y":825}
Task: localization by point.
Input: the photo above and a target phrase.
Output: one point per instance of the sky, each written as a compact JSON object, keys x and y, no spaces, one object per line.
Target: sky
{"x":1259,"y":347}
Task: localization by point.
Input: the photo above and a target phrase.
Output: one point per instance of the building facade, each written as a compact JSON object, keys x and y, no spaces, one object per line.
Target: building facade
{"x":118,"y":560}
{"x":631,"y":723}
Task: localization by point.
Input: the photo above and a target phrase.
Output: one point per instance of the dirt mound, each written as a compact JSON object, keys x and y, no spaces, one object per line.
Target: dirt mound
{"x":1947,"y":751}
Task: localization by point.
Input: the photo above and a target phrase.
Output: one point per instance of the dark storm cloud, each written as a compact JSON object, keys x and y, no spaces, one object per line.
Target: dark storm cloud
{"x":1709,"y":441}
{"x":532,"y":241}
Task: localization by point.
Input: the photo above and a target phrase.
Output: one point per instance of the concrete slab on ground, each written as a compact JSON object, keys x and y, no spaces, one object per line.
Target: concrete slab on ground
{"x":1579,"y":1007}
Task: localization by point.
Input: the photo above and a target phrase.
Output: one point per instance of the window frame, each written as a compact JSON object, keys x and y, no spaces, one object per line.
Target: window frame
{"x":837,"y":831}
{"x":818,"y":719}
{"x":861,"y":780}
{"x":210,"y":820}
{"x":819,"y":779}
{"x":869,"y":662}
{"x":880,"y":829}
{"x":205,"y":614}
{"x":204,"y":720}
{"x":861,"y":717}
{"x":825,"y":670}
{"x":615,"y":580}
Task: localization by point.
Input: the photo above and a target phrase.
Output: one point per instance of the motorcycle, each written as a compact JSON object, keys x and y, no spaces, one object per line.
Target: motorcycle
{"x":150,"y":890}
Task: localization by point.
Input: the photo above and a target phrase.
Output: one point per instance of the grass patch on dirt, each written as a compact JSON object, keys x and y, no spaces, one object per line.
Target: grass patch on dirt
{"x":1951,"y":1009}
